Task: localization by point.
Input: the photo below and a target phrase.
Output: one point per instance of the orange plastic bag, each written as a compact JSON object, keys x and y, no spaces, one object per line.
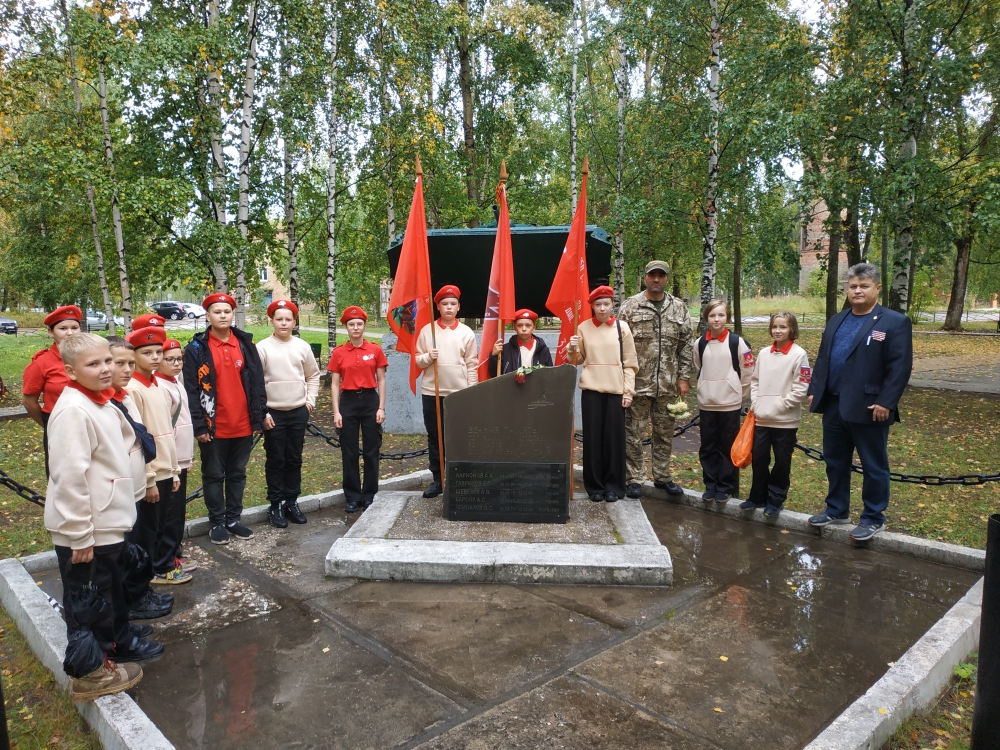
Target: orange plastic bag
{"x":742,"y":451}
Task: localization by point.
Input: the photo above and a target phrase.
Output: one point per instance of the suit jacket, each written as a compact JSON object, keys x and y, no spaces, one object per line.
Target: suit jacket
{"x":512,"y":356}
{"x":877,"y":368}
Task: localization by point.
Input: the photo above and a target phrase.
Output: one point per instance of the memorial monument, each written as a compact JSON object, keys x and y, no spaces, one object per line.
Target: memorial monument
{"x":509,"y":448}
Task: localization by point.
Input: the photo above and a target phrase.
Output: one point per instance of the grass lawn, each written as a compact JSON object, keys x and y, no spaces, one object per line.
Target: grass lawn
{"x":38,"y":714}
{"x":948,"y":725}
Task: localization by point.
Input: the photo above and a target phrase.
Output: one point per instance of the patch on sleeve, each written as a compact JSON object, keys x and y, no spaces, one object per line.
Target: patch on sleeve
{"x":748,"y":359}
{"x":805,"y":374}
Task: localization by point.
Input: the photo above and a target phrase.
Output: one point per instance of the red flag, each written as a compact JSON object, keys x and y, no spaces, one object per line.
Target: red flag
{"x":500,"y":294}
{"x":409,"y":311}
{"x":570,"y":288}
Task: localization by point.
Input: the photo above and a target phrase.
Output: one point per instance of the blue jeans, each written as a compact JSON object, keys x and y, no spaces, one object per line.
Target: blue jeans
{"x":871,"y":439}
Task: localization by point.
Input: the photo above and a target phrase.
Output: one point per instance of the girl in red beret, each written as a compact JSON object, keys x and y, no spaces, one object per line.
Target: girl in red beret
{"x":357,"y":386}
{"x":45,"y":375}
{"x":607,"y":385}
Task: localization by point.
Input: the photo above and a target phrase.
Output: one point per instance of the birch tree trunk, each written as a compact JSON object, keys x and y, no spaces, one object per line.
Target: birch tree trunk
{"x":289,"y":181}
{"x":91,"y":205}
{"x":621,"y":83}
{"x":833,"y":262}
{"x":243,"y":215}
{"x":217,"y":196}
{"x":572,"y":117}
{"x":331,"y":194}
{"x":884,"y":263}
{"x":708,"y":267}
{"x":899,"y":294}
{"x":465,"y":84}
{"x":738,"y":273}
{"x":116,"y":214}
{"x":390,"y":197}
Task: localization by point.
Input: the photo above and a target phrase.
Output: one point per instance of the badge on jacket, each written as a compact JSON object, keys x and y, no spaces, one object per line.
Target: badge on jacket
{"x":805,"y":374}
{"x":878,"y":335}
{"x":748,"y":359}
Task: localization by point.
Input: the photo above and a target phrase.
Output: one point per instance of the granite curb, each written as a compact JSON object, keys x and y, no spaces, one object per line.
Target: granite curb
{"x":912,"y":684}
{"x":117,"y":720}
{"x":888,"y":541}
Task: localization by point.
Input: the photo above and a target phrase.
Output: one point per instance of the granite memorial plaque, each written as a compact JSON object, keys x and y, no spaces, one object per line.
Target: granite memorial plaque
{"x":509,"y":448}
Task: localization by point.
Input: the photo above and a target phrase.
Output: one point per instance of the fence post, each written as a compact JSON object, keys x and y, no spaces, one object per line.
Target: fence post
{"x":986,"y":714}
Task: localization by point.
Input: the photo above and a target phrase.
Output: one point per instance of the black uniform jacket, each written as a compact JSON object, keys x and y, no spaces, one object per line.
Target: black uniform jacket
{"x":511,"y":353}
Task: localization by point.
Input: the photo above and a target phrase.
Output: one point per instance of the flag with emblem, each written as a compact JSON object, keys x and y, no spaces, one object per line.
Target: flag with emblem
{"x":409,"y":309}
{"x":878,"y":335}
{"x":500,"y":293}
{"x":570,"y":289}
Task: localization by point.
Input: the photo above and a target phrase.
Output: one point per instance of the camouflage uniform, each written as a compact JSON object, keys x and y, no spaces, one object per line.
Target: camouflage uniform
{"x":663,"y":344}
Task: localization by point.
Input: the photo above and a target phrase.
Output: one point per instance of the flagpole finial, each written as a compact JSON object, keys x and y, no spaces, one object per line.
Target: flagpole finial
{"x":420,"y":168}
{"x":503,"y":171}
{"x":586,"y":165}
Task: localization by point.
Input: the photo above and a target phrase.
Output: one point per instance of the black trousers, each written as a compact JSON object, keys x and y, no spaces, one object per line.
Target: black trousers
{"x":112,"y":627}
{"x":149,"y":524}
{"x":770,"y":484}
{"x":603,"y":442}
{"x":224,"y":477}
{"x":171,"y":528}
{"x":718,"y":431}
{"x":358,"y":410}
{"x":283,"y":446}
{"x":430,"y":424}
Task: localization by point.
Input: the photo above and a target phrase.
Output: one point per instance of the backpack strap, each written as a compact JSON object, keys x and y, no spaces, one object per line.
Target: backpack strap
{"x":734,"y":350}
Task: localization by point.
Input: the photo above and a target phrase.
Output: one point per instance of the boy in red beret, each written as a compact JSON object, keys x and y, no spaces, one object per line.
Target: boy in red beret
{"x":457,"y":358}
{"x":224,"y":379}
{"x":291,"y":383}
{"x":162,"y":473}
{"x":357,"y":387}
{"x":45,"y":375}
{"x":524,"y":349}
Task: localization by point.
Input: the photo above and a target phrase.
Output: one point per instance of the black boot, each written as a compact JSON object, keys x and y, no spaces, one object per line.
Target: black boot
{"x":275,"y":516}
{"x":434,"y":490}
{"x":293,"y":514}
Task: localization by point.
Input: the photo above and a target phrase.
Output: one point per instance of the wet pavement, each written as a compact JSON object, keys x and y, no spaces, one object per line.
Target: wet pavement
{"x":764,"y":638}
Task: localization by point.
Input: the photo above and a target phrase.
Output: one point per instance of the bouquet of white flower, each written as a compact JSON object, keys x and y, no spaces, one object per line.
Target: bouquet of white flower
{"x":679,"y":410}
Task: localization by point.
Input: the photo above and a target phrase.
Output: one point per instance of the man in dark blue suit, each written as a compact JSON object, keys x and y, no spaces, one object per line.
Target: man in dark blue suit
{"x":863,"y":367}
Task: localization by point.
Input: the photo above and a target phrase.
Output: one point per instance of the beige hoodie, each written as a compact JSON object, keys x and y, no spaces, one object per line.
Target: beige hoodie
{"x":719,"y":387}
{"x":90,"y":498}
{"x":458,"y":358}
{"x":779,"y":385}
{"x":291,"y":375}
{"x":183,"y":429}
{"x":154,"y":405}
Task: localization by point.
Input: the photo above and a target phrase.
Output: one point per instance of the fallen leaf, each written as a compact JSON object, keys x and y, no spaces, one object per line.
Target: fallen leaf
{"x":767,"y":548}
{"x":316,"y":620}
{"x":795,"y":588}
{"x":659,"y":662}
{"x":718,"y":710}
{"x":882,"y":711}
{"x":892,"y":663}
{"x":364,"y":540}
{"x":723,"y":658}
{"x":784,"y":531}
{"x":326,"y":649}
{"x":416,"y":512}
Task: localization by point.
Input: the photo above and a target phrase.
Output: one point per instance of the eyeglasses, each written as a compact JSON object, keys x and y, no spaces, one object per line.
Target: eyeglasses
{"x":173,"y":360}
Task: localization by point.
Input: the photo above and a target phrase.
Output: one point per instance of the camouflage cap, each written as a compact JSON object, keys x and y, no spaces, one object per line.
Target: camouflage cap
{"x":657,"y":265}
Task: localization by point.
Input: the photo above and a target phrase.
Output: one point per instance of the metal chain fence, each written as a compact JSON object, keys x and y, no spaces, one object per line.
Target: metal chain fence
{"x":314,"y":430}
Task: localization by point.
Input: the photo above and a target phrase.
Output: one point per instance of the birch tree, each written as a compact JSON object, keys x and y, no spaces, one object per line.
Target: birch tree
{"x":246,"y":113}
{"x":332,"y":156}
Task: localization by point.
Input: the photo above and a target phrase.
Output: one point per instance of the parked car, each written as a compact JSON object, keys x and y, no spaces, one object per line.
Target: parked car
{"x":193,"y":310}
{"x":96,"y":321}
{"x":170,"y":310}
{"x":8,"y":326}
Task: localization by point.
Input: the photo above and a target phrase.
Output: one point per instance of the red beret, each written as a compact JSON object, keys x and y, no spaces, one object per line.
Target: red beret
{"x":144,"y":321}
{"x":218,"y":297}
{"x":601,"y":291}
{"x":147,"y":336}
{"x":282,"y":304}
{"x":171,"y":344}
{"x":525,"y":314}
{"x":66,"y":312}
{"x":448,"y":290}
{"x":353,"y":312}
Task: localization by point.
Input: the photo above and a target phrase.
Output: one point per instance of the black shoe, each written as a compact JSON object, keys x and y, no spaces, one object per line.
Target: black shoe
{"x":219,"y":535}
{"x":353,"y":506}
{"x":597,"y":497}
{"x":670,"y":487}
{"x":293,"y":514}
{"x":368,"y":503}
{"x":276,"y":518}
{"x":148,"y":608}
{"x":239,"y":531}
{"x":633,"y":491}
{"x":610,"y":497}
{"x":772,"y":511}
{"x":140,"y":631}
{"x":708,"y":495}
{"x":434,"y":490}
{"x":749,"y":505}
{"x":164,"y":599}
{"x":139,"y":650}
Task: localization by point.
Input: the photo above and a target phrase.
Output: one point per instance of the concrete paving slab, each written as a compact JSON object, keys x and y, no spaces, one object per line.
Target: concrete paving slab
{"x":560,"y":715}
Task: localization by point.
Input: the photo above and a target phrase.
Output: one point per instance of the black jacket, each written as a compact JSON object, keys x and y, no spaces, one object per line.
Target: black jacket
{"x":512,"y":356}
{"x":877,"y":368}
{"x":199,"y":381}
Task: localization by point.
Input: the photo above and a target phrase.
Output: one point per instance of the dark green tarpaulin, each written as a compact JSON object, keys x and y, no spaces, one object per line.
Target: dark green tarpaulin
{"x":464,"y":256}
